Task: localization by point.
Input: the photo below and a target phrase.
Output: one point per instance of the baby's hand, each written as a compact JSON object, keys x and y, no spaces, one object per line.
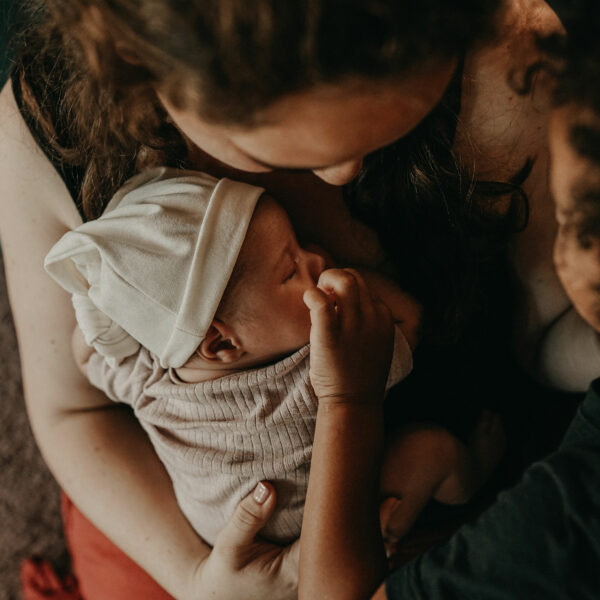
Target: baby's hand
{"x":351,"y":339}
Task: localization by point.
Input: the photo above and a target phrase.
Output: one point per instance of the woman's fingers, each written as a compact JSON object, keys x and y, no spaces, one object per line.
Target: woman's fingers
{"x":250,"y":516}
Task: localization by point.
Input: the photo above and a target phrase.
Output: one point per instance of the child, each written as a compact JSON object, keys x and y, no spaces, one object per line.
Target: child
{"x":211,"y":282}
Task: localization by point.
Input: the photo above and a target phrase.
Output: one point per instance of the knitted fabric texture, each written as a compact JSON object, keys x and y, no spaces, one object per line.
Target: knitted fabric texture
{"x":218,"y":438}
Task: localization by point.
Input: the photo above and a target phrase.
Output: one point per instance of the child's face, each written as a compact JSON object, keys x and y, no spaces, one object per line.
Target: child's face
{"x":573,"y":177}
{"x":273,"y":319}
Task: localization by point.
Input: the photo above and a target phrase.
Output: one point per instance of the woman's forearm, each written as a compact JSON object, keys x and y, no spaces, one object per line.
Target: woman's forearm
{"x":106,"y":465}
{"x":97,"y":452}
{"x":341,"y":550}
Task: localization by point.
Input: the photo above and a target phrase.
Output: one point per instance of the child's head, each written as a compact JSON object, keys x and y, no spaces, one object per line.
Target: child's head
{"x":262,"y":314}
{"x":575,"y":165}
{"x":189,"y":266}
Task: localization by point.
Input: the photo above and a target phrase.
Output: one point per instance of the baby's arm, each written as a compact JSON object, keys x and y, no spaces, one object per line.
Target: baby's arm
{"x":426,"y":461}
{"x":123,"y":382}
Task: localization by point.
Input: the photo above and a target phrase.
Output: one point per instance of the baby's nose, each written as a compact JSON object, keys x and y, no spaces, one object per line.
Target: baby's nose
{"x":318,"y":261}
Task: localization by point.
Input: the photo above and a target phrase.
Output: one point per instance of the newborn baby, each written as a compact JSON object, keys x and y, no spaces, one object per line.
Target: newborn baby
{"x":188,"y":293}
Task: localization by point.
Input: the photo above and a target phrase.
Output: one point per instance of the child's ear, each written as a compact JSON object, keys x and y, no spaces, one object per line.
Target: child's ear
{"x":220,"y":344}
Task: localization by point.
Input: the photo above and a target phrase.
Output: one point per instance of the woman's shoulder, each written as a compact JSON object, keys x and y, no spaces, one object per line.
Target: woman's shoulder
{"x":29,"y":184}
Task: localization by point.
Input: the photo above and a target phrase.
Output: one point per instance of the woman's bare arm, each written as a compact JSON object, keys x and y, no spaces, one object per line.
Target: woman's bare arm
{"x":96,"y":450}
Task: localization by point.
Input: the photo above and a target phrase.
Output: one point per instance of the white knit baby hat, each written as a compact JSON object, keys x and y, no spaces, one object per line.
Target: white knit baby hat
{"x":153,"y":268}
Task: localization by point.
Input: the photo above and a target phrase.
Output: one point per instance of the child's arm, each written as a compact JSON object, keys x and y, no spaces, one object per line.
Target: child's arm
{"x":341,"y":548}
{"x":123,"y":382}
{"x":426,"y":461}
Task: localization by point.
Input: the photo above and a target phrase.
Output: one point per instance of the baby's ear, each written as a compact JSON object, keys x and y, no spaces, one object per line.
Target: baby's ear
{"x":220,"y":344}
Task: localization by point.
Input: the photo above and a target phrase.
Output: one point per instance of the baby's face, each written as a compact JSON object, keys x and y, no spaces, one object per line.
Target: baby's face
{"x":575,"y":185}
{"x":273,"y":318}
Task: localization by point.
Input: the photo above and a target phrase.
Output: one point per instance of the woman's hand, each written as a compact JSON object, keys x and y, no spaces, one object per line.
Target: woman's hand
{"x":351,"y":339}
{"x":241,"y":565}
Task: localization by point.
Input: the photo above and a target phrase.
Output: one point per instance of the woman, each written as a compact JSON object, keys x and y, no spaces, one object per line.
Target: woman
{"x":106,"y":87}
{"x":541,"y":538}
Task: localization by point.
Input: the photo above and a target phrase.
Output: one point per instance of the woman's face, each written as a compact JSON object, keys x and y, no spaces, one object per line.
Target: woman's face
{"x":327,"y":130}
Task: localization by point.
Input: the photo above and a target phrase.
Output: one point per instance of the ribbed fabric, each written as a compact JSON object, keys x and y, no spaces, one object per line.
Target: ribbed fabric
{"x":218,"y":438}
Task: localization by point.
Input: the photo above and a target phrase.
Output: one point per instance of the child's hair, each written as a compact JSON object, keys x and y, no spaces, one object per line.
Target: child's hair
{"x":575,"y":62}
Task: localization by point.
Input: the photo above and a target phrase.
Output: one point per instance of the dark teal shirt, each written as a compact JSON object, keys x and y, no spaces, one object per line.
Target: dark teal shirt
{"x":539,"y":541}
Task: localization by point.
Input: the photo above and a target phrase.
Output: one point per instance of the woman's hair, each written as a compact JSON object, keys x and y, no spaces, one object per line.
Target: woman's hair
{"x":89,"y":68}
{"x":445,"y":233}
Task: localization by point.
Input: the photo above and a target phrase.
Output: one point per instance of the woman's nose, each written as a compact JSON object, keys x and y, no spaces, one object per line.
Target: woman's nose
{"x":341,"y":173}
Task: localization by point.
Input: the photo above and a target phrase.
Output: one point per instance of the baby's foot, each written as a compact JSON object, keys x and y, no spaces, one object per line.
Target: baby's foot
{"x":487,"y":445}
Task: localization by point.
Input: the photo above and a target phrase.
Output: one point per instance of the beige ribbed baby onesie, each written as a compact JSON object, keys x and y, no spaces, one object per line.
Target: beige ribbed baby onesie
{"x":218,"y":438}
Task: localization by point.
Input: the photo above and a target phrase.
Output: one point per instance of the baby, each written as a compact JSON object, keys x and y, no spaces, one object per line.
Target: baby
{"x":188,"y":293}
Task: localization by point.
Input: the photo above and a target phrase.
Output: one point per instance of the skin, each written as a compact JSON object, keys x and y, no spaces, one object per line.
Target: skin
{"x":568,"y":356}
{"x":129,"y":497}
{"x":270,"y":319}
{"x":327,"y":130}
{"x":578,"y":267}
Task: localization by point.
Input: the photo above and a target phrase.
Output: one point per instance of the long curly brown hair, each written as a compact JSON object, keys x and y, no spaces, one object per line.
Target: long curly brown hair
{"x":89,"y":68}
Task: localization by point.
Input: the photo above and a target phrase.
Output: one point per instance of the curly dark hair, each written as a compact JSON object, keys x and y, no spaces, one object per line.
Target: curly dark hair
{"x":89,"y":68}
{"x":440,"y":226}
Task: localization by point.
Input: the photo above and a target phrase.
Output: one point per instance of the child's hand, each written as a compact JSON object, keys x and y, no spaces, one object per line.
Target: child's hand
{"x":351,"y":339}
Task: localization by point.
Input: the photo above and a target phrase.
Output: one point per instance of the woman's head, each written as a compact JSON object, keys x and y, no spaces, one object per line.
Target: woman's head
{"x":328,"y":129}
{"x":243,"y":66}
{"x":229,"y":59}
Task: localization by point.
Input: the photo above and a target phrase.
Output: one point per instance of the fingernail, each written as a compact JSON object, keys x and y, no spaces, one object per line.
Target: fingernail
{"x":261,"y":493}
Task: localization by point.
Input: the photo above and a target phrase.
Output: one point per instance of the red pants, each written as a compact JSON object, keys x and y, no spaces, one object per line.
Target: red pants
{"x":103,"y":572}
